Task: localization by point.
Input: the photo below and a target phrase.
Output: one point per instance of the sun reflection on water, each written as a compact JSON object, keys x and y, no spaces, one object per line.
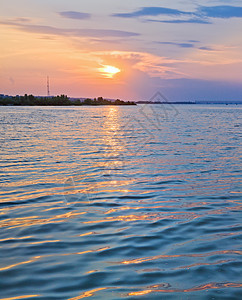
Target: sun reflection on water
{"x":163,"y":219}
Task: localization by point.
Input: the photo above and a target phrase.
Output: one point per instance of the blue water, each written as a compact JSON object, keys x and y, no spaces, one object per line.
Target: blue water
{"x":140,"y":202}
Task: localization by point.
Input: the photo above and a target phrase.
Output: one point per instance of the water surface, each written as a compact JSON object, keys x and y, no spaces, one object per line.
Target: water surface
{"x":121,"y":202}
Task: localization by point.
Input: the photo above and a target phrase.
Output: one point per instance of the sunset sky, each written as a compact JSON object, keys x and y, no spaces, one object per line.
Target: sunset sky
{"x":188,"y":50}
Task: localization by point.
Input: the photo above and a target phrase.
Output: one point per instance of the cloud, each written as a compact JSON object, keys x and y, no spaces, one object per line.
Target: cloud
{"x":152,"y":64}
{"x":201,"y":15}
{"x":180,"y":21}
{"x":152,"y":11}
{"x":224,"y":12}
{"x":41,"y":29}
{"x":206,"y":48}
{"x":188,"y":44}
{"x":22,"y":19}
{"x":182,"y":45}
{"x":74,"y":15}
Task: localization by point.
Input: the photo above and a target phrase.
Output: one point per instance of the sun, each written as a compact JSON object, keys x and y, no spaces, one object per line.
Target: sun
{"x":109,"y":71}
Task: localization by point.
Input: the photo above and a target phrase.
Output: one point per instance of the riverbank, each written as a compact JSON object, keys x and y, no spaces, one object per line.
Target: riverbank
{"x":62,"y":100}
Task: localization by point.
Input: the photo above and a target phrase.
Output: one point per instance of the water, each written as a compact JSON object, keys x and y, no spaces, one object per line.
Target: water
{"x":109,"y":202}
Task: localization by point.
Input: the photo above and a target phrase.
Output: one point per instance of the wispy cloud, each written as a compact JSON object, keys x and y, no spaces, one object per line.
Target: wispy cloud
{"x":182,"y":45}
{"x":50,"y":30}
{"x":75,"y":15}
{"x":142,"y":61}
{"x":224,"y":11}
{"x":206,"y":48}
{"x":201,"y":15}
{"x":151,"y":11}
{"x":21,"y":19}
{"x":183,"y":21}
{"x":188,"y":44}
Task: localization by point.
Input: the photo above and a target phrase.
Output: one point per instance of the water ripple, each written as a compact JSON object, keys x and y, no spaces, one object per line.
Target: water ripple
{"x":120,"y":202}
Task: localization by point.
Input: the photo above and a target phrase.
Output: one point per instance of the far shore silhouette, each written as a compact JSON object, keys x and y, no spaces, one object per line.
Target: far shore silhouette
{"x":62,"y":100}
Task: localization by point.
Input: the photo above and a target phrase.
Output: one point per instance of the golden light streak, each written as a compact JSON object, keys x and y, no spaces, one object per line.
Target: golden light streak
{"x":16,"y":238}
{"x":92,"y":271}
{"x":87,"y":233}
{"x":150,"y":258}
{"x":19,"y":264}
{"x":87,"y":294}
{"x":213,"y":285}
{"x":34,"y":220}
{"x":35,"y":258}
{"x":20,"y":297}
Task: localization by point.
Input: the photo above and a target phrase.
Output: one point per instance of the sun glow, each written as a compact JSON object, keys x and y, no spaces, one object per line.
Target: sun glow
{"x":109,"y":71}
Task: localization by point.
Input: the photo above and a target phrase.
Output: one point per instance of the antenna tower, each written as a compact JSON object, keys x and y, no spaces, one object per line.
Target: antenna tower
{"x":48,"y":87}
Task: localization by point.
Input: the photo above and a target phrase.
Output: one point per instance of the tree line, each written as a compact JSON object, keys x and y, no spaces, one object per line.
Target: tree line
{"x":62,"y":100}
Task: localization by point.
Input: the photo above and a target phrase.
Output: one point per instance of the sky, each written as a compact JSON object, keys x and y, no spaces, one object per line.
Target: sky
{"x":188,"y":49}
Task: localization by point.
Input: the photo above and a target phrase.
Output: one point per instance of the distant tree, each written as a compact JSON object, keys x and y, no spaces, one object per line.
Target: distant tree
{"x":87,"y":101}
{"x":61,"y":100}
{"x":77,"y":102}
